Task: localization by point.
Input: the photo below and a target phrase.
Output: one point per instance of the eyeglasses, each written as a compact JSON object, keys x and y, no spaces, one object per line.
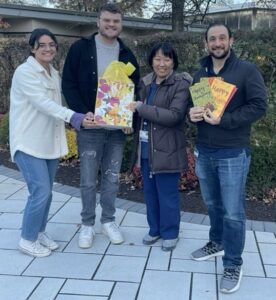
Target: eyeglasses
{"x":45,"y":46}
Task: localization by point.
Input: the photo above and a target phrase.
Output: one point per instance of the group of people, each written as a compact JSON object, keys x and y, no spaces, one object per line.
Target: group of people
{"x":162,"y":104}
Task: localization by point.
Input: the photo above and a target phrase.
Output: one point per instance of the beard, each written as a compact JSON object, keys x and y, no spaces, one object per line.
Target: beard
{"x":221,"y":56}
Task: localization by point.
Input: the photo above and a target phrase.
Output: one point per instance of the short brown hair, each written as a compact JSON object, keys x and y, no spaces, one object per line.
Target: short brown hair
{"x":215,"y":25}
{"x":110,"y":7}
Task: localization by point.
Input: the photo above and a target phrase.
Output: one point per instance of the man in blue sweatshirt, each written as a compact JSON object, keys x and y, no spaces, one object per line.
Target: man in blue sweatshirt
{"x":222,"y":152}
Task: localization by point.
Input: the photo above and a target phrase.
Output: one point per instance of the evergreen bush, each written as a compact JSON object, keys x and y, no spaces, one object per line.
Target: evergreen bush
{"x":262,"y":175}
{"x":4,"y":130}
{"x":72,"y":145}
{"x":258,"y":47}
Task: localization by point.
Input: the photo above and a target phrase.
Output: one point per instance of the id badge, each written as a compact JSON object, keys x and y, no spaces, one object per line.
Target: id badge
{"x":143,"y":136}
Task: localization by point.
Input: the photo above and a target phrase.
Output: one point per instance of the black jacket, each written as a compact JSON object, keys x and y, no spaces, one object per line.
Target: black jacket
{"x":248,"y":104}
{"x":167,"y":140}
{"x":80,"y":74}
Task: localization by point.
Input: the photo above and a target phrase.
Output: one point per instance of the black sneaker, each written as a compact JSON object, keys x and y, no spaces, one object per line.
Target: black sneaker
{"x":211,"y":249}
{"x":231,"y":280}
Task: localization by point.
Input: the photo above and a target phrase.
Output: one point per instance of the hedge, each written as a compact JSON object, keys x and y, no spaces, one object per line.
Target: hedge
{"x":258,"y":47}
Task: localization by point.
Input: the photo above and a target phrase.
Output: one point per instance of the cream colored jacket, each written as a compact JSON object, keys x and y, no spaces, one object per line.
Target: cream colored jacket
{"x":36,"y":114}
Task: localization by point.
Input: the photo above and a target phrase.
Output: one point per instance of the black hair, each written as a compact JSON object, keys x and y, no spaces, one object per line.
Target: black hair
{"x":110,"y":7}
{"x":37,"y":34}
{"x":217,"y":24}
{"x":167,"y":50}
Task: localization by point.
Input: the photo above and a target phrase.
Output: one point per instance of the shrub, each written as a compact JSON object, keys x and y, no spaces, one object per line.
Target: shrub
{"x":262,"y":177}
{"x":4,"y":130}
{"x":262,"y":174}
{"x":127,"y":154}
{"x":72,"y":145}
{"x":248,"y":45}
{"x":13,"y":52}
{"x":188,"y":179}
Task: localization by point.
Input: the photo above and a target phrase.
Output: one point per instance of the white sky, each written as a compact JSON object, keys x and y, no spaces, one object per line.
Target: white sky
{"x":147,"y":14}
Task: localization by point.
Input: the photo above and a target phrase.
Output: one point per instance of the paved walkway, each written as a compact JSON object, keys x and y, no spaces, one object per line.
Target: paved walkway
{"x":124,"y":272}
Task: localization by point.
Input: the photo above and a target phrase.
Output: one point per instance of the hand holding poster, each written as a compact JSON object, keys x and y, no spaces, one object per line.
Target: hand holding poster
{"x":212,"y":93}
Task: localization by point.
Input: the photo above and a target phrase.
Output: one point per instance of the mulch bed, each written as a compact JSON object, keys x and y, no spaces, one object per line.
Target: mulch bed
{"x":191,"y":201}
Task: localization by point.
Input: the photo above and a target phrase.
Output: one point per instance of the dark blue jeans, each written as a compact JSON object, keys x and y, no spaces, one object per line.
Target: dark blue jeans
{"x":222,"y":184}
{"x":39,"y":175}
{"x":99,"y":149}
{"x":163,"y":202}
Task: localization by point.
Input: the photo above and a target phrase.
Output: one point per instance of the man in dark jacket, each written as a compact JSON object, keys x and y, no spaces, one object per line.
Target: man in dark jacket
{"x":222,"y":152}
{"x":85,"y":63}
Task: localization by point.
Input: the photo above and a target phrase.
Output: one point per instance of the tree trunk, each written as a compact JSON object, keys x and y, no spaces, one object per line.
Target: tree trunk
{"x":177,"y":15}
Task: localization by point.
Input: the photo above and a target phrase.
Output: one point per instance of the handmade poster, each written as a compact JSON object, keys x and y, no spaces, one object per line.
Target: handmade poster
{"x":222,"y":93}
{"x":115,"y":92}
{"x":201,"y":94}
{"x":212,"y":93}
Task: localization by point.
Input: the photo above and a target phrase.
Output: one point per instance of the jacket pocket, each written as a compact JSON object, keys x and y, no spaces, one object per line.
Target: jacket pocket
{"x":164,"y":140}
{"x":48,"y":85}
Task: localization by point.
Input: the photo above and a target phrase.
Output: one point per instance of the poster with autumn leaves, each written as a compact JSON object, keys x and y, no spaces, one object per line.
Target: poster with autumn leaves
{"x":115,"y":92}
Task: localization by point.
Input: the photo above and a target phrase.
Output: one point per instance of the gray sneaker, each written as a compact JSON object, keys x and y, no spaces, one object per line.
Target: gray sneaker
{"x":169,"y":245}
{"x":150,"y":240}
{"x":211,"y":249}
{"x":231,"y":280}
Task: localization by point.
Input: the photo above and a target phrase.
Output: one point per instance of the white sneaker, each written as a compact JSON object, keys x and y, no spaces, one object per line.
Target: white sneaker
{"x":46,"y":240}
{"x":112,"y":230}
{"x":33,"y":248}
{"x":86,"y":236}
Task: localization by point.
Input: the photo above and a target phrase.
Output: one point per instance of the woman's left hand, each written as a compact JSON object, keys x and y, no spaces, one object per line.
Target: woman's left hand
{"x":132,"y":106}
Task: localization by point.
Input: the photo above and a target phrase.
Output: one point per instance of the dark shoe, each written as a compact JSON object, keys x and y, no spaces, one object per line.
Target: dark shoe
{"x":231,"y":280}
{"x":150,"y":240}
{"x":169,"y":245}
{"x":211,"y":249}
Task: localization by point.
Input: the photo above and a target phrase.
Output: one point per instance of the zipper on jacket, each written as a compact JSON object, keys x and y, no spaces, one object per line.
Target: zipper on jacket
{"x":151,"y":138}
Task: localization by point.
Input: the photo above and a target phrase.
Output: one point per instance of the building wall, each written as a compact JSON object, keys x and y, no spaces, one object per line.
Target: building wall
{"x":20,"y":25}
{"x":245,"y":20}
{"x":266,"y":19}
{"x":76,"y":25}
{"x":67,"y":29}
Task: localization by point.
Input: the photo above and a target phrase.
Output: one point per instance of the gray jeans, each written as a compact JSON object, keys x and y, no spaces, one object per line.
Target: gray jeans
{"x":99,"y":149}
